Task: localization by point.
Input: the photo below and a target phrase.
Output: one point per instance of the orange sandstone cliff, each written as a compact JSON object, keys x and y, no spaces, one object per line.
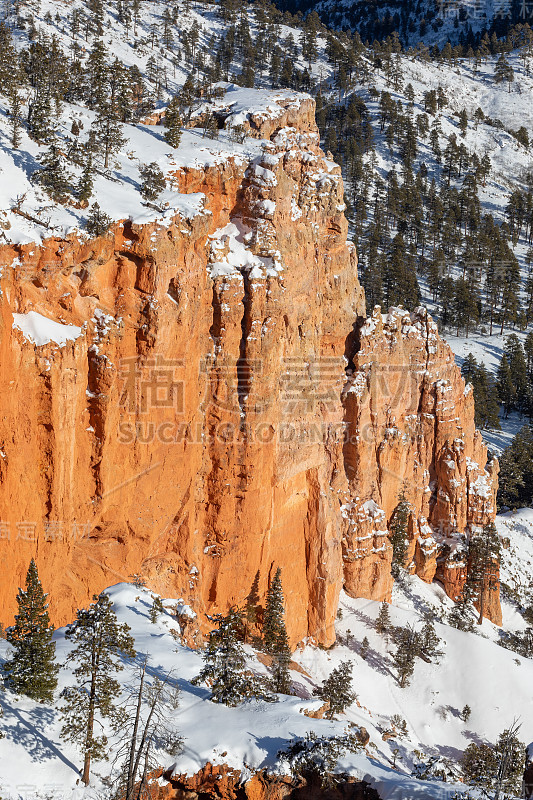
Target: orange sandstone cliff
{"x":197,"y":425}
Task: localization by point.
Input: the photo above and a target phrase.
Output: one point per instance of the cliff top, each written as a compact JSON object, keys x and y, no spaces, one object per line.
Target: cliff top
{"x":28,"y":214}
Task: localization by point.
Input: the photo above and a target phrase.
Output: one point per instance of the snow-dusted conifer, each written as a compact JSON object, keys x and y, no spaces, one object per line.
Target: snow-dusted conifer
{"x":173,"y":123}
{"x":224,"y":668}
{"x":32,"y":669}
{"x":156,"y":609}
{"x":153,"y":181}
{"x":98,"y":221}
{"x":337,"y":689}
{"x":100,"y":641}
{"x":383,"y":622}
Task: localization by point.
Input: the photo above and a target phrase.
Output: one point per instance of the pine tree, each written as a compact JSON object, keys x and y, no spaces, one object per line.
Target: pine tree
{"x":156,"y":609}
{"x":465,"y":713}
{"x":281,"y":679}
{"x":173,"y":123}
{"x":149,"y":724}
{"x":460,"y":617}
{"x":97,"y":222}
{"x":484,"y":552}
{"x":398,"y":534}
{"x":498,"y":769}
{"x":107,"y":133}
{"x":363,"y":651}
{"x":53,"y":176}
{"x":337,"y":689}
{"x":503,"y":71}
{"x":225,"y":665}
{"x":383,"y":621}
{"x":273,"y":621}
{"x":153,"y":181}
{"x":15,"y":108}
{"x":505,"y":385}
{"x":518,"y":366}
{"x":407,"y":649}
{"x":516,"y":471}
{"x":100,"y":641}
{"x":40,"y":116}
{"x":84,"y":188}
{"x":463,"y":122}
{"x":275,"y":639}
{"x":32,"y":669}
{"x":429,"y":640}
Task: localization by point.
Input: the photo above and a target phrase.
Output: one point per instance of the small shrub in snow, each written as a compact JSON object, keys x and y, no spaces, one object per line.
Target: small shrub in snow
{"x":317,"y":755}
{"x":156,"y":609}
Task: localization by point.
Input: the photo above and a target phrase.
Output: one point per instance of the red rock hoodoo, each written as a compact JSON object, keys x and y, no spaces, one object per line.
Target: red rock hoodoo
{"x":199,"y":428}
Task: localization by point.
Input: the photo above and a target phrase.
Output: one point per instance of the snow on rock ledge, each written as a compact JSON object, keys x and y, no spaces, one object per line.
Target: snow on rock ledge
{"x":40,"y":330}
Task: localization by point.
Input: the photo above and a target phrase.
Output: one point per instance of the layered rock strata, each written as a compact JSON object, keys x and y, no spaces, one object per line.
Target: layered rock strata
{"x":186,"y":420}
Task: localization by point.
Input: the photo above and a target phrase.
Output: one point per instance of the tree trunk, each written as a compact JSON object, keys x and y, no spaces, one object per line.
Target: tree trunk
{"x":131,"y":759}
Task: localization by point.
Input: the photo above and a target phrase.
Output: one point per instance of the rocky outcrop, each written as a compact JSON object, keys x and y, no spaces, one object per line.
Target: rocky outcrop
{"x":215,"y":782}
{"x":187,"y":419}
{"x":411,"y":428}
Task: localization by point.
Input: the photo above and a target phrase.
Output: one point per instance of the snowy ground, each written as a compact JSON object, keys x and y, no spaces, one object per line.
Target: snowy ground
{"x":496,"y":684}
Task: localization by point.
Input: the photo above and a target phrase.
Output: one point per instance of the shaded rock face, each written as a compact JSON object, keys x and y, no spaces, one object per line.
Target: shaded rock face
{"x":194,"y":432}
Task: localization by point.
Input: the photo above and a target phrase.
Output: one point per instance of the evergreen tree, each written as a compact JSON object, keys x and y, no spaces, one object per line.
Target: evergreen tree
{"x":156,"y":609}
{"x":40,"y":116}
{"x":153,"y":181}
{"x":32,"y":669}
{"x":407,"y":649}
{"x":8,"y":61}
{"x":383,"y":621}
{"x":15,"y":108}
{"x":274,"y":616}
{"x":484,"y":552}
{"x":463,"y":122}
{"x":337,"y":689}
{"x":465,"y":713}
{"x":498,"y":769}
{"x":84,"y":189}
{"x":505,"y":385}
{"x":518,"y":367}
{"x":173,"y":123}
{"x":516,"y":471}
{"x":98,"y":222}
{"x":275,"y":639}
{"x":224,"y":664}
{"x":99,"y":644}
{"x":363,"y":651}
{"x":281,"y":679}
{"x":107,"y":133}
{"x":53,"y":176}
{"x":460,"y":617}
{"x":503,"y":71}
{"x":429,"y":640}
{"x":399,"y":534}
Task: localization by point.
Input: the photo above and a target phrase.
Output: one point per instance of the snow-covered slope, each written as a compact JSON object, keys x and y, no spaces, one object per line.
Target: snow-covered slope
{"x":473,"y":669}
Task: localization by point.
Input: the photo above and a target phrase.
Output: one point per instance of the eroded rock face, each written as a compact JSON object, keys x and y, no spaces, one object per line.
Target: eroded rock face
{"x":411,"y":427}
{"x":194,"y":430}
{"x":219,"y":782}
{"x":191,"y":432}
